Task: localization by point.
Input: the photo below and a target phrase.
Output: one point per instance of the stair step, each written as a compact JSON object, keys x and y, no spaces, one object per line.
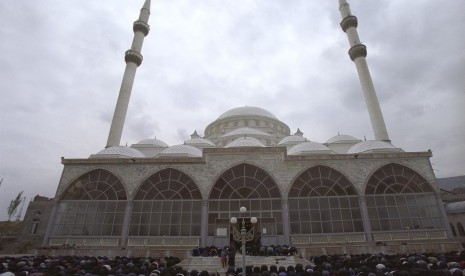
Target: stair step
{"x":213,"y":264}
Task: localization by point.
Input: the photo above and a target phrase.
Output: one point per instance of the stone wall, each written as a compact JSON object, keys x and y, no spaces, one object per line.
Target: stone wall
{"x":38,"y":212}
{"x":282,"y":168}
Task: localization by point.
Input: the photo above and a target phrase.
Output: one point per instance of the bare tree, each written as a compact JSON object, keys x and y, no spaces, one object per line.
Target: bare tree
{"x":14,"y":203}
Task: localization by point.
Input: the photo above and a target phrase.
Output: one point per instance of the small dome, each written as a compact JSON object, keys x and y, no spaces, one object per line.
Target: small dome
{"x":309,"y":148}
{"x":245,"y":142}
{"x":181,"y":150}
{"x":200,"y":142}
{"x":292,"y":140}
{"x":247,"y":111}
{"x":245,"y":131}
{"x":342,"y":138}
{"x":373,"y":146}
{"x":118,"y":152}
{"x":153,"y":142}
{"x":455,"y":207}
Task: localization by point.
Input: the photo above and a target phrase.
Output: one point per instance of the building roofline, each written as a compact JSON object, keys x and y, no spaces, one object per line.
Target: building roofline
{"x":248,"y":150}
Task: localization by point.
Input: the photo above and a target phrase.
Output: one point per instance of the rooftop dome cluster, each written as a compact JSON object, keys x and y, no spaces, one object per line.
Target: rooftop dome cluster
{"x":247,"y":127}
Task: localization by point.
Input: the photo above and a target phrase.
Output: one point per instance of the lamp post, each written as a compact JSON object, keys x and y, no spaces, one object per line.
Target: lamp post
{"x":243,"y":235}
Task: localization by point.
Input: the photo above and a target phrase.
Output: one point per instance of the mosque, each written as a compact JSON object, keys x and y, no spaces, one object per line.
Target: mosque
{"x":342,"y":195}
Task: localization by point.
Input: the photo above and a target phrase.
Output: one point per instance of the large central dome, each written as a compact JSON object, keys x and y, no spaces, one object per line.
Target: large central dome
{"x":246,"y":121}
{"x":247,"y":111}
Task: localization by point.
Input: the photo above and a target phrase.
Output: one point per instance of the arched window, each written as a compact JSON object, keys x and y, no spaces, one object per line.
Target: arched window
{"x":245,"y":182}
{"x":322,"y":200}
{"x":249,"y":186}
{"x":397,"y":179}
{"x":93,"y":205}
{"x":460,"y":229}
{"x":398,"y":198}
{"x":168,"y":203}
{"x":452,"y":228}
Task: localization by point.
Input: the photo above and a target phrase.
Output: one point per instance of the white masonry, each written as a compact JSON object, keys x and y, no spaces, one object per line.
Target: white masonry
{"x":133,"y":58}
{"x":358,"y":53}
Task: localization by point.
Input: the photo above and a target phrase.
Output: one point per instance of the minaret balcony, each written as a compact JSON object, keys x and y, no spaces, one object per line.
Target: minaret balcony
{"x":141,"y":26}
{"x":356,"y":51}
{"x":133,"y":56}
{"x":349,"y":21}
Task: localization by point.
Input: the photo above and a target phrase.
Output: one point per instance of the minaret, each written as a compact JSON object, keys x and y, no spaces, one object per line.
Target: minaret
{"x":358,"y":53}
{"x":133,"y":58}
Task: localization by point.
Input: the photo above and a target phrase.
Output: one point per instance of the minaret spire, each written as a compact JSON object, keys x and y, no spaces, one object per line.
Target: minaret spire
{"x":358,"y":53}
{"x":133,"y":58}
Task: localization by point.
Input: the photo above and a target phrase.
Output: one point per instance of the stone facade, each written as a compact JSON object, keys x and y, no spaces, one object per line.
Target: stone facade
{"x":204,"y":171}
{"x":283,"y":169}
{"x":36,"y":220}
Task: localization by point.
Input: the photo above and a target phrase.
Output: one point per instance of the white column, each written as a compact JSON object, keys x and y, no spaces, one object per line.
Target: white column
{"x":126,"y":223}
{"x":371,"y":100}
{"x":51,"y":222}
{"x":204,"y":224}
{"x":358,"y":53}
{"x":444,"y":216}
{"x":286,"y":230}
{"x":133,"y":58}
{"x":121,"y":109}
{"x":366,"y":219}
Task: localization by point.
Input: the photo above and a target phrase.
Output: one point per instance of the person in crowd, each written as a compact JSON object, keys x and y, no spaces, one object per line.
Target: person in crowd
{"x":213,"y":251}
{"x":224,"y":257}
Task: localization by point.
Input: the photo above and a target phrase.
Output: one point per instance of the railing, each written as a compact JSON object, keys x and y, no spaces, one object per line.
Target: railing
{"x":164,"y":241}
{"x":323,"y":239}
{"x":133,"y":56}
{"x":132,"y":241}
{"x":84,"y":241}
{"x":409,"y":235}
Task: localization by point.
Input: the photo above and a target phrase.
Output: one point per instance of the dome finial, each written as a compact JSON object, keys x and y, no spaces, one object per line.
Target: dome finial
{"x":195,"y":135}
{"x":298,"y":132}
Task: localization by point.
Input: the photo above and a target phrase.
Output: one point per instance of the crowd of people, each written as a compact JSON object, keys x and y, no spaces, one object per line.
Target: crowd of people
{"x":431,"y":264}
{"x":272,"y":250}
{"x":89,"y":266}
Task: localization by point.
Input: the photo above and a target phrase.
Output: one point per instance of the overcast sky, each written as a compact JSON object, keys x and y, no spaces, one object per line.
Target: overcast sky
{"x":61,"y":66}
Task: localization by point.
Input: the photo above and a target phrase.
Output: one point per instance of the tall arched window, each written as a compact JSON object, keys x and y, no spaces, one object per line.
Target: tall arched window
{"x":460,"y":229}
{"x":168,"y":203}
{"x":93,"y":205}
{"x":452,"y":228}
{"x":400,"y":199}
{"x":249,"y":186}
{"x":322,"y":200}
